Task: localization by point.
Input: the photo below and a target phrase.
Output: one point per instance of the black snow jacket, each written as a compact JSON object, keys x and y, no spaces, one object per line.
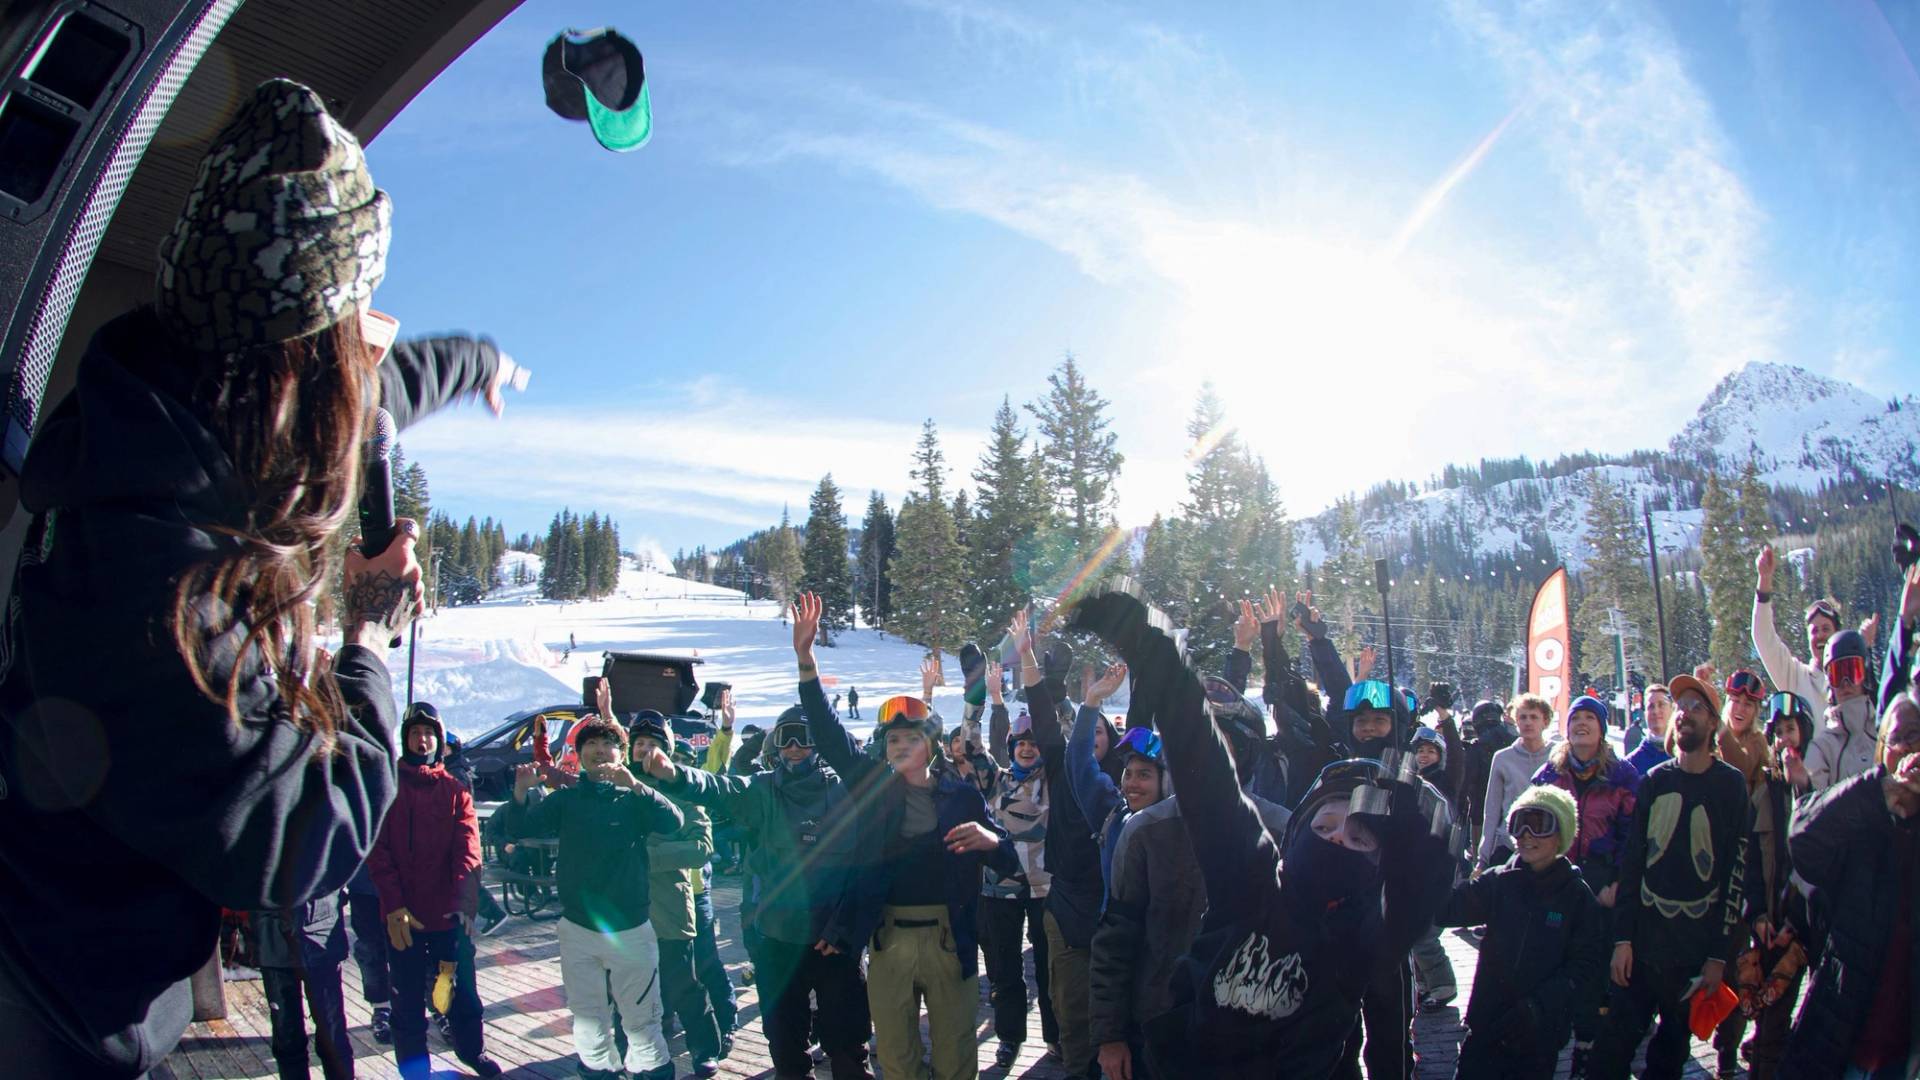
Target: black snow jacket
{"x":1293,"y":755}
{"x":1072,"y":846}
{"x":1270,"y":987}
{"x":128,"y":800}
{"x":1544,"y":952}
{"x":876,"y":795}
{"x":1845,"y":850}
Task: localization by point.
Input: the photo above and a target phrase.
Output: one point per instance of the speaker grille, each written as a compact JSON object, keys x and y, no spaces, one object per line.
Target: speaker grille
{"x":49,"y":323}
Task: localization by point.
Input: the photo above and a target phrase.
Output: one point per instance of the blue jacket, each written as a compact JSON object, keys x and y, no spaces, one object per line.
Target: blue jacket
{"x":875,"y":784}
{"x":1095,"y":791}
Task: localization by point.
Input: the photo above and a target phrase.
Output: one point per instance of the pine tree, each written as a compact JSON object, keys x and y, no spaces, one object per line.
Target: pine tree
{"x":824,"y":560}
{"x":1727,"y":573}
{"x":1345,"y":593}
{"x":928,"y":569}
{"x":1162,"y":569}
{"x":1007,"y":518}
{"x":1615,"y":578}
{"x":1080,"y":459}
{"x":873,"y":587}
{"x":784,"y":567}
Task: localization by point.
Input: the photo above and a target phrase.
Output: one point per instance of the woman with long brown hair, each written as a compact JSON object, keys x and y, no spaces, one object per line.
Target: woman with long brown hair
{"x":172,"y":738}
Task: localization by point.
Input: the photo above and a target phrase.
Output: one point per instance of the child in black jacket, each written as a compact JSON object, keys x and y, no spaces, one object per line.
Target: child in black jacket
{"x":1544,"y":946}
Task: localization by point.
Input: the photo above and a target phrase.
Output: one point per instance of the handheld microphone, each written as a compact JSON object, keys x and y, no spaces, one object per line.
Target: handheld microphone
{"x":376,"y":487}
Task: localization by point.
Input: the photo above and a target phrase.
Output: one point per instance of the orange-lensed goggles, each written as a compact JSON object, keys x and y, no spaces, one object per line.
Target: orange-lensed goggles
{"x":1847,"y":670}
{"x":902,"y":707}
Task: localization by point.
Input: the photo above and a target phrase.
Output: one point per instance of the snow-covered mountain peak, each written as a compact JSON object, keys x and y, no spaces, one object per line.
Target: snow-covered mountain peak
{"x":1802,"y":428}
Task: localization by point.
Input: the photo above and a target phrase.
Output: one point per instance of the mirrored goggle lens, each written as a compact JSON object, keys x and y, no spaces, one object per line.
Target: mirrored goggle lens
{"x":1371,"y":694}
{"x":1141,"y":741}
{"x":792,"y":735}
{"x":1785,"y":703}
{"x":1533,"y":821}
{"x":902,"y":706}
{"x":1847,"y":670}
{"x":1746,"y":683}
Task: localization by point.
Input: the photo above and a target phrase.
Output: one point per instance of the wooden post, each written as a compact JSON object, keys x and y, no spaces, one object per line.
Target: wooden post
{"x":209,"y":989}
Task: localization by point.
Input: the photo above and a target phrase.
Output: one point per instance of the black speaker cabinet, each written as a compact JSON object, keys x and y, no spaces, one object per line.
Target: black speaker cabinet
{"x":87,"y":84}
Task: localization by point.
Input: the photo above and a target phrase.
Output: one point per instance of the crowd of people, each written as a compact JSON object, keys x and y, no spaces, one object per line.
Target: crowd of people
{"x":1216,"y":883}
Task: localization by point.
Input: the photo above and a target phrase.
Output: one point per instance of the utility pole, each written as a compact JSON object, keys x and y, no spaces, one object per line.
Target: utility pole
{"x":1659,"y":604}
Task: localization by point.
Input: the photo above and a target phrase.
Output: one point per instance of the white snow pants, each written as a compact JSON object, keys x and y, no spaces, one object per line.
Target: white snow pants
{"x":627,"y":962}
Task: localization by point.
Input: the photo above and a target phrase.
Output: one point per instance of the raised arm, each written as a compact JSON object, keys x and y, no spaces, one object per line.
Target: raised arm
{"x":830,"y":737}
{"x":1239,"y":861}
{"x":999,"y":724}
{"x":1775,"y":656}
{"x":1093,"y":789}
{"x":421,"y":375}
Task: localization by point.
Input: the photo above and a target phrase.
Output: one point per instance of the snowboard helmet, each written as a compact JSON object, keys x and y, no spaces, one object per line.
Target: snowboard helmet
{"x":1426,"y":736}
{"x":1787,"y":704}
{"x":419,"y":713}
{"x":789,"y":730}
{"x":1486,"y":716}
{"x":1847,"y":648}
{"x":650,"y":724}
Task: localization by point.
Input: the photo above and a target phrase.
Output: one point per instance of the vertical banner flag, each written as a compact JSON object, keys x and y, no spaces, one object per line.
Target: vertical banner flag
{"x":1547,"y":644}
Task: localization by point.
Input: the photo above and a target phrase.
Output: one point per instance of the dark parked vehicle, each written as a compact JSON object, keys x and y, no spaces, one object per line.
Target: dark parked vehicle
{"x":640,"y":681}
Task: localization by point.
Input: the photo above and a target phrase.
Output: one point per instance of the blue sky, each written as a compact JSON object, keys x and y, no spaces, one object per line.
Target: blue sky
{"x":1393,"y":236}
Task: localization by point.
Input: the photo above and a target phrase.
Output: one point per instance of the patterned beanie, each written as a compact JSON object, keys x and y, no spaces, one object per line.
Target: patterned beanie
{"x":283,"y":234}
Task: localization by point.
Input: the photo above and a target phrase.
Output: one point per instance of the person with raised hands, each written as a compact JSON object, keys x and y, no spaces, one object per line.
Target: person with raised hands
{"x":795,"y":903}
{"x":1013,"y":908}
{"x":1271,"y":985}
{"x":921,"y":843}
{"x":607,"y":942}
{"x":1072,"y":853}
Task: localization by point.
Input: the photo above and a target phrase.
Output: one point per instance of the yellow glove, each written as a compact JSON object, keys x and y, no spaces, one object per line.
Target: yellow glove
{"x":400,"y":927}
{"x":443,"y":988}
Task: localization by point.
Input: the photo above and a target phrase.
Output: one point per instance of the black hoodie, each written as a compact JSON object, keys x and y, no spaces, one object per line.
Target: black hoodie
{"x":1272,"y":984}
{"x":131,"y":807}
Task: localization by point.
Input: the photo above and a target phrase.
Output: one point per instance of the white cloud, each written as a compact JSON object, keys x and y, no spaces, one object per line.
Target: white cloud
{"x":720,"y":454}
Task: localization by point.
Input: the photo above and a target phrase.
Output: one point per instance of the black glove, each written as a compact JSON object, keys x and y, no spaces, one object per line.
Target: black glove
{"x":1439,"y":695}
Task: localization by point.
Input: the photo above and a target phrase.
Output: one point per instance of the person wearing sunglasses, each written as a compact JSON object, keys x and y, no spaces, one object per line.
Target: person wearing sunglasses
{"x":922,"y":841}
{"x":1543,"y":949}
{"x":1680,"y":893}
{"x":1271,"y":985}
{"x":1784,"y":669}
{"x":796,"y":899}
{"x":1856,"y":848}
{"x":1843,"y":747}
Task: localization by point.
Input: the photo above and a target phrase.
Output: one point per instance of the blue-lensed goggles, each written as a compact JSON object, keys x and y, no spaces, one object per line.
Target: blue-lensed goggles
{"x":1369,"y":694}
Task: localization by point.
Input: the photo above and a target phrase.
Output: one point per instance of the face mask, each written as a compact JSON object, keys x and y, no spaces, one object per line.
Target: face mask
{"x":419,"y":760}
{"x":1320,"y":872}
{"x":803,"y":767}
{"x":1372,"y":748}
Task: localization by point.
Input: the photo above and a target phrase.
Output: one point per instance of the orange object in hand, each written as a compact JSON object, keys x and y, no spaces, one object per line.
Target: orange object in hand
{"x":1708,"y":1010}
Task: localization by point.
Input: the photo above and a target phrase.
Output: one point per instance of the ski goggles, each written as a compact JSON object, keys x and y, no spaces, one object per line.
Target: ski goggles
{"x":1823,"y":607}
{"x":1142,"y":741}
{"x":1746,"y":684}
{"x":1787,"y":703}
{"x":1370,"y":694}
{"x":901,"y":707}
{"x":1847,"y":670}
{"x":792,"y":735}
{"x":1533,"y":821}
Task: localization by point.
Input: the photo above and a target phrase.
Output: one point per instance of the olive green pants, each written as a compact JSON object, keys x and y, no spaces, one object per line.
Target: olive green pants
{"x":914,"y":958}
{"x":1071,"y":985}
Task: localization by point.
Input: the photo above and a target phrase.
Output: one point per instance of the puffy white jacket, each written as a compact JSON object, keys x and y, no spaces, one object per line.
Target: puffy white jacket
{"x":1844,"y":745}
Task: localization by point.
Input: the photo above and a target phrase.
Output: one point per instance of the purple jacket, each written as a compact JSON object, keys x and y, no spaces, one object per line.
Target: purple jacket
{"x":1606,"y":815}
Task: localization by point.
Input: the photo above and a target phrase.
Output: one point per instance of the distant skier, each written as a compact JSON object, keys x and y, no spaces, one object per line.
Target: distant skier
{"x":836,"y":703}
{"x":853,"y":703}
